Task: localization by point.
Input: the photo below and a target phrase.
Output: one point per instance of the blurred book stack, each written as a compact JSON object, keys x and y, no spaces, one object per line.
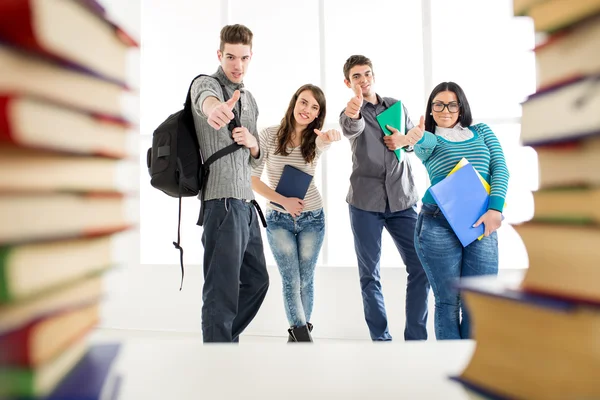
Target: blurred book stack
{"x":540,"y":338}
{"x":68,"y":186}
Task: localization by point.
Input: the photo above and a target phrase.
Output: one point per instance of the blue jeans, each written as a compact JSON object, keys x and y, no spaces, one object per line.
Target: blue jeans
{"x":446,"y":261}
{"x":235,"y":271}
{"x":367,"y":227}
{"x":296,"y":243}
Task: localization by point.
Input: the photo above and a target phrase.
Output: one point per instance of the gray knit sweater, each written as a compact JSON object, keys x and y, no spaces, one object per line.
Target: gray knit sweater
{"x":230,"y":175}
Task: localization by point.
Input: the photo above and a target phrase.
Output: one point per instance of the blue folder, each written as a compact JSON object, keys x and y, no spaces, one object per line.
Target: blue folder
{"x":463,"y":200}
{"x":293,"y":183}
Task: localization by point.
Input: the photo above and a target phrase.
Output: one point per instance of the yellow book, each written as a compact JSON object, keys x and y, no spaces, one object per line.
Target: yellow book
{"x":464,"y":162}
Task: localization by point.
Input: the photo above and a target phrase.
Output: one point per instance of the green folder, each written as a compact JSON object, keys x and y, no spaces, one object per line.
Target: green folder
{"x":394,"y":117}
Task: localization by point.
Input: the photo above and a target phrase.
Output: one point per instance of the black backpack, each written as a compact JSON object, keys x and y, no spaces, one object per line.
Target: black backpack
{"x":175,"y":163}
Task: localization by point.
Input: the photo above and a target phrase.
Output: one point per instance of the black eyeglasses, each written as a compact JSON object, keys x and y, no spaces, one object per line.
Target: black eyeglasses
{"x":453,"y":107}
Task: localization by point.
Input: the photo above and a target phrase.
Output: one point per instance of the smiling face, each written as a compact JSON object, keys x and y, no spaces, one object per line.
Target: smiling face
{"x":306,"y":109}
{"x":445,"y":109}
{"x":361,"y":76}
{"x":235,"y":59}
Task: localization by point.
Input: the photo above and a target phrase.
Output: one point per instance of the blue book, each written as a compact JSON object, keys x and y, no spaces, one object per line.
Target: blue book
{"x":293,"y":183}
{"x":87,"y":380}
{"x":463,"y":200}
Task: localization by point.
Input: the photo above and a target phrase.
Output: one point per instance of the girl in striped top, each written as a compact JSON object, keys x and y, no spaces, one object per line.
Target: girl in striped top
{"x":295,"y":231}
{"x":448,"y":136}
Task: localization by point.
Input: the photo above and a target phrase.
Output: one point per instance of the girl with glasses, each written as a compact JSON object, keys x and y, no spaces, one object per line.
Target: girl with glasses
{"x":446,"y":136}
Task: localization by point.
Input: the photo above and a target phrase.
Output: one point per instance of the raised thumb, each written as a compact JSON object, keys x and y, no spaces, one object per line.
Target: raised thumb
{"x":231,"y":102}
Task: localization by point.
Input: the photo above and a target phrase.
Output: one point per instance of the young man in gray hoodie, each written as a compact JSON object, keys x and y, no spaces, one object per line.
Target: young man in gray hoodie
{"x":235,"y":273}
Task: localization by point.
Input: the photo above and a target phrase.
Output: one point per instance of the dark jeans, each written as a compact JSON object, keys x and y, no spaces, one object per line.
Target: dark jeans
{"x":367,"y":228}
{"x":446,"y":261}
{"x":235,"y":272}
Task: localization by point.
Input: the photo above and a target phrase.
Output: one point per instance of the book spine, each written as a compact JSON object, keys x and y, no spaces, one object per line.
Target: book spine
{"x":5,"y":124}
{"x":4,"y":285}
{"x":16,"y":24}
{"x":15,"y":346}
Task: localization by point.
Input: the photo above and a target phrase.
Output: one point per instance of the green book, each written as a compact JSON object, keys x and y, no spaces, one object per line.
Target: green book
{"x":40,"y":381}
{"x":394,"y":117}
{"x":31,"y":269}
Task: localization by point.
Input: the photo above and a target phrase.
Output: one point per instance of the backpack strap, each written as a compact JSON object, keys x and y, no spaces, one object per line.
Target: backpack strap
{"x":177,"y":243}
{"x":205,"y":170}
{"x":188,"y":100}
{"x":187,"y":110}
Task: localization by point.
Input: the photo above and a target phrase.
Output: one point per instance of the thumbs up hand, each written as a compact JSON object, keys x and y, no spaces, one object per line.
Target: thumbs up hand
{"x":416,"y":133}
{"x":220,"y":115}
{"x":329,"y":136}
{"x":398,"y":140}
{"x":354,"y":105}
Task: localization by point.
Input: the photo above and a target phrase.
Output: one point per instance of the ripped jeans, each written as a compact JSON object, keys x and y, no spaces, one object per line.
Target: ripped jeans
{"x":296,"y":244}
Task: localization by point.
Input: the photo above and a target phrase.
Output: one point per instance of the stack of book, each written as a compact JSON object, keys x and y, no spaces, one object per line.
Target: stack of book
{"x":67,"y":179}
{"x":539,"y":338}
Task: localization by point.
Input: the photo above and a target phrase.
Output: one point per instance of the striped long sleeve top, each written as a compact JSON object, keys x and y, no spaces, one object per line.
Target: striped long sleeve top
{"x":276,"y":162}
{"x":483,"y":151}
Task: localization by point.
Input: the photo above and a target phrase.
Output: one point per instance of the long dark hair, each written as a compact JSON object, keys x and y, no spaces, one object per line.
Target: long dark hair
{"x":288,"y":125}
{"x":464,"y":111}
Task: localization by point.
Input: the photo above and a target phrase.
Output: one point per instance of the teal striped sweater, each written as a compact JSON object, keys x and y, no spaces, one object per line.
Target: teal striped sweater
{"x":483,"y":151}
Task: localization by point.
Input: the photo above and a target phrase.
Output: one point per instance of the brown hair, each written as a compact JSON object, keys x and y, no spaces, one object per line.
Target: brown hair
{"x":235,"y":34}
{"x":353,"y":61}
{"x":288,"y":124}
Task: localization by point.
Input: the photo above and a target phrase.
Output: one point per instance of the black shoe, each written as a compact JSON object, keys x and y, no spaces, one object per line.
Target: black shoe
{"x":299,"y":334}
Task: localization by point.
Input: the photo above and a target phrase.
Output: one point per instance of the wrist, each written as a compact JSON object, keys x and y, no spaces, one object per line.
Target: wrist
{"x":209,"y":105}
{"x":320,"y":142}
{"x":280,"y":199}
{"x":496,"y":203}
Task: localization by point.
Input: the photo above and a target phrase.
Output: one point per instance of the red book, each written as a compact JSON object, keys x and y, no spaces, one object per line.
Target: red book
{"x":77,"y":33}
{"x":44,"y":338}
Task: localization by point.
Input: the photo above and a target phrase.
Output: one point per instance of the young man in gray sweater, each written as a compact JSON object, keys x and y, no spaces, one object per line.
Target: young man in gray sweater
{"x":235,"y":273}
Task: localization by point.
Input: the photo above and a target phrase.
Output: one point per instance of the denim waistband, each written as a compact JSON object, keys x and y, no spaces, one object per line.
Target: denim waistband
{"x":431,"y":209}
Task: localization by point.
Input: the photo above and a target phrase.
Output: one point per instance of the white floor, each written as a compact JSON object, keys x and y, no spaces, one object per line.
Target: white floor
{"x":145,"y":300}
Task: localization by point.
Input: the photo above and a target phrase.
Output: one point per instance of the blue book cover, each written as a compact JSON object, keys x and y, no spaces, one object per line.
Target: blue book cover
{"x":89,"y":377}
{"x":486,"y":393}
{"x":293,"y":183}
{"x":463,"y":200}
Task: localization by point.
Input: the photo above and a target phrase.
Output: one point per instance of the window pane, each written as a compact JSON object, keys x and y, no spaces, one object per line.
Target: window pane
{"x":486,"y":51}
{"x":285,"y":51}
{"x":396,"y":50}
